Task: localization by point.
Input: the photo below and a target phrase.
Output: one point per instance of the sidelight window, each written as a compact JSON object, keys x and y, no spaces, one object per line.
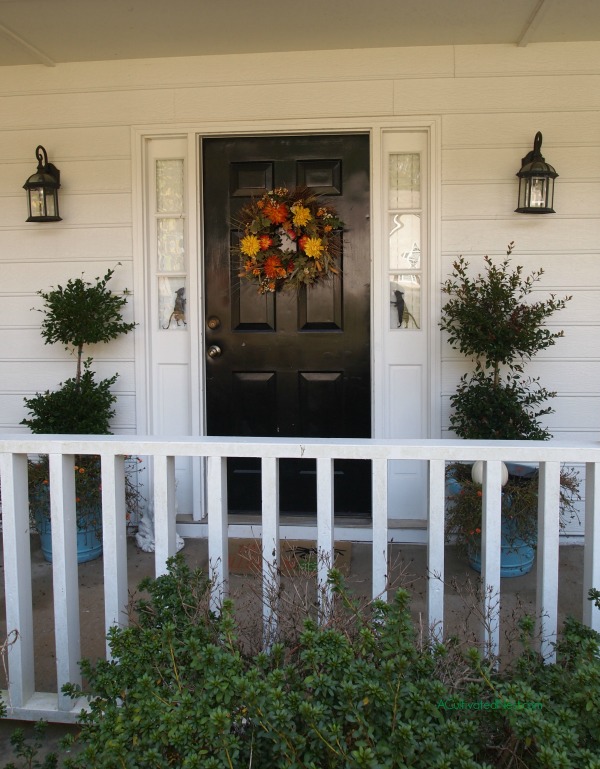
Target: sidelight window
{"x":404,"y":223}
{"x":170,"y":244}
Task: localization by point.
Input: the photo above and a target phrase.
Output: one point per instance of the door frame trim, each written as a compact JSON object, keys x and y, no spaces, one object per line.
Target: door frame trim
{"x":140,"y":135}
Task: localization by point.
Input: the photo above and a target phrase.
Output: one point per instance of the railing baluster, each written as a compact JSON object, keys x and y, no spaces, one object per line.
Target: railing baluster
{"x":270,"y":547}
{"x":490,"y":556}
{"x":547,"y":558}
{"x":164,"y":511}
{"x":435,"y":547}
{"x":26,"y":702}
{"x":218,"y":546}
{"x":65,"y":574}
{"x":114,"y":539}
{"x":591,"y":555}
{"x":325,"y":535}
{"x":380,"y":529}
{"x":17,"y":577}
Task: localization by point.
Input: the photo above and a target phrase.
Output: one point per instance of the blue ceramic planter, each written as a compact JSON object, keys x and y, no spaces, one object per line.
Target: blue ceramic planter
{"x":89,"y":527}
{"x":516,"y":555}
{"x":89,"y":537}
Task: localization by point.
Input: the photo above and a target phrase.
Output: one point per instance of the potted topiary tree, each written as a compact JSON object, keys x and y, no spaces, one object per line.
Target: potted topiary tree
{"x":79,"y":314}
{"x":490,"y":319}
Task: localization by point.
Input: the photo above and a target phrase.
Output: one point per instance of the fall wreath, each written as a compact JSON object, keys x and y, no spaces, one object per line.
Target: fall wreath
{"x":288,"y":239}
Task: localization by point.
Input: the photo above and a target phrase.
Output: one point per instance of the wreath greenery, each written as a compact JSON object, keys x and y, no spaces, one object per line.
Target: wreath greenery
{"x":289,"y":239}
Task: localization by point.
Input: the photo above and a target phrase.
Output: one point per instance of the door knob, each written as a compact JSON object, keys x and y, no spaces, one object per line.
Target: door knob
{"x":214,"y":351}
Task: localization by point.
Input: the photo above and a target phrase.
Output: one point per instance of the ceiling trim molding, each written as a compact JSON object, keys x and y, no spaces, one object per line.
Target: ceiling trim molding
{"x":40,"y":56}
{"x":533,"y":23}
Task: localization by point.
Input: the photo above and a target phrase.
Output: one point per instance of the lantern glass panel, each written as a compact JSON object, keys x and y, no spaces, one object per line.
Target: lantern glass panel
{"x":50,"y":205}
{"x":36,"y":201}
{"x":538,"y":192}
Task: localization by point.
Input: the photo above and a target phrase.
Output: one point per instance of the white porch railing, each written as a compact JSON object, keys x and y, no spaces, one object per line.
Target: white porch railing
{"x":24,"y":702}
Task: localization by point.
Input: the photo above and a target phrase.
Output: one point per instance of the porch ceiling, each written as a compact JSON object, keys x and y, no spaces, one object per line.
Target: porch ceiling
{"x":51,"y":32}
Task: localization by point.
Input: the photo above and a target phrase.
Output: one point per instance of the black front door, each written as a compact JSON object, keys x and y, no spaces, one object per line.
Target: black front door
{"x":288,"y":363}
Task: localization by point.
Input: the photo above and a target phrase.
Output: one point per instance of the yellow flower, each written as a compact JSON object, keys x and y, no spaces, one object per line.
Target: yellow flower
{"x":250,"y":245}
{"x":313,"y":247}
{"x":302,"y":215}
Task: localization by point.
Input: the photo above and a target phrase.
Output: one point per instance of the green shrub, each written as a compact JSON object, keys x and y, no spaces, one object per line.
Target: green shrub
{"x":491,"y":320}
{"x":77,"y":408}
{"x":78,"y":314}
{"x":27,"y":749}
{"x":179,"y":693}
{"x":83,"y":313}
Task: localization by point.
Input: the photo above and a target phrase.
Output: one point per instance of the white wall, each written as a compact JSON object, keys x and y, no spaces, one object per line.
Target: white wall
{"x":491,"y":100}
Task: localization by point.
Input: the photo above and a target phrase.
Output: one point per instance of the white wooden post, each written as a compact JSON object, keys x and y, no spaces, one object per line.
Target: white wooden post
{"x":65,"y":574}
{"x":218,"y":546}
{"x":380,"y":529}
{"x":270,"y":547}
{"x":490,"y":555}
{"x":325,"y":535}
{"x":591,"y":554}
{"x":17,"y":577}
{"x":547,"y":557}
{"x":114,"y":539}
{"x":164,"y":511}
{"x":435,"y":547}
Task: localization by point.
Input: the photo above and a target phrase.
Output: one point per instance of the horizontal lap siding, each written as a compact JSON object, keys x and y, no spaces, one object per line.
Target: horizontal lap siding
{"x":500,"y":98}
{"x":481,"y":150}
{"x":95,"y":235}
{"x":491,"y":99}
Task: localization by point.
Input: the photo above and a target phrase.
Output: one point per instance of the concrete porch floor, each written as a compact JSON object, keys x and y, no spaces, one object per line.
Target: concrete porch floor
{"x":408,"y":570}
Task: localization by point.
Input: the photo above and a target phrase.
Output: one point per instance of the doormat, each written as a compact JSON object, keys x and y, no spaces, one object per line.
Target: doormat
{"x":298,"y":556}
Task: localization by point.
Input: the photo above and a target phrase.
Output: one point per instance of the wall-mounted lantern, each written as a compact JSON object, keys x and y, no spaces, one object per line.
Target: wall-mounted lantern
{"x":536,"y":182}
{"x":42,"y":190}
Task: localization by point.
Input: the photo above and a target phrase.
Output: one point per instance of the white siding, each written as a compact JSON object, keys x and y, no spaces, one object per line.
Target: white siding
{"x":491,"y":101}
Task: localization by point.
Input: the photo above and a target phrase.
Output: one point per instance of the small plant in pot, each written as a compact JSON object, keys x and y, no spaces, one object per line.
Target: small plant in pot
{"x":492,"y":320}
{"x":78,"y":314}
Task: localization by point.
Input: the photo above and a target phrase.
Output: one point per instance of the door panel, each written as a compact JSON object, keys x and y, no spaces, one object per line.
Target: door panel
{"x":289,"y":364}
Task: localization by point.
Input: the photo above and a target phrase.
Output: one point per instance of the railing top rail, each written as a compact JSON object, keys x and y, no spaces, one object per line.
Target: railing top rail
{"x":449,"y":449}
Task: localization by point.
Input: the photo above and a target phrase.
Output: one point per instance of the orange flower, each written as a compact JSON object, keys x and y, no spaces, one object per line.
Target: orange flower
{"x":265,"y":242}
{"x":276,"y":212}
{"x":82,"y":469}
{"x":291,"y":266}
{"x":478,"y":531}
{"x":273,"y":267}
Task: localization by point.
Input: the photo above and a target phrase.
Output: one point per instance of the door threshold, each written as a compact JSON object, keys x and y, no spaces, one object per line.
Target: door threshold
{"x":292,"y":527}
{"x":298,"y":519}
